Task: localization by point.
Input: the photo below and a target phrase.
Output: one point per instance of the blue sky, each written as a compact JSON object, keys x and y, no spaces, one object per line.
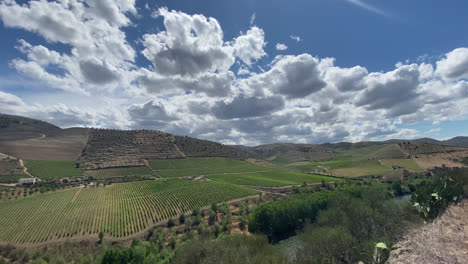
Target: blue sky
{"x":362,"y":69}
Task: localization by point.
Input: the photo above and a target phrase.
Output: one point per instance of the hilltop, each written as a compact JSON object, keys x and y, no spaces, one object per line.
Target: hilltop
{"x":32,"y":139}
{"x":456,"y":141}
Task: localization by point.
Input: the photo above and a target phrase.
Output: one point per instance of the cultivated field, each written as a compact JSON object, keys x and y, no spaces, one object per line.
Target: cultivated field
{"x":119,"y":210}
{"x":202,"y":166}
{"x":272,"y":178}
{"x":354,"y":166}
{"x":52,"y":170}
{"x":120,"y":172}
{"x":408,"y":164}
{"x":232,"y":171}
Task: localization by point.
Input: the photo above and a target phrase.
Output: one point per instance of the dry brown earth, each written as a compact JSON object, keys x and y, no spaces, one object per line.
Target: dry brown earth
{"x":429,"y":156}
{"x":65,"y":144}
{"x":443,"y":241}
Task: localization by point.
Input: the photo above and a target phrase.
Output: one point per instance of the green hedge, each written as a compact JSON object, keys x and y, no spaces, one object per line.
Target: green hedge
{"x":280,"y":219}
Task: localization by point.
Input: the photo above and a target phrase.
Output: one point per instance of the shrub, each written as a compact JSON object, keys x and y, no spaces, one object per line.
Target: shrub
{"x":196,"y":211}
{"x":433,"y":196}
{"x":182,"y":219}
{"x":280,"y":219}
{"x":170,"y":222}
{"x":230,"y":249}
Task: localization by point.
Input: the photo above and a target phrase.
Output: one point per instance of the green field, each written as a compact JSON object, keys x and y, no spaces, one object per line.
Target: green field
{"x":201,"y":166}
{"x":304,"y":166}
{"x":360,"y":165}
{"x":271,"y":178}
{"x":52,"y":170}
{"x":408,"y":164}
{"x":119,"y":210}
{"x":120,"y":172}
{"x":12,"y":178}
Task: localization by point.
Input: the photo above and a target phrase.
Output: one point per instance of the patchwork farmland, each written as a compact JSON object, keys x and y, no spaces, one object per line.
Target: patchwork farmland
{"x":123,"y":209}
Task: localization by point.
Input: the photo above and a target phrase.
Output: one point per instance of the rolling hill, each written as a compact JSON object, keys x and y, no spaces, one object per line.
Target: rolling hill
{"x":31,"y":139}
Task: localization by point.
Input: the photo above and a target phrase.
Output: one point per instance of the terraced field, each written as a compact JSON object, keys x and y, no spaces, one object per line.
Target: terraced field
{"x":270,"y":178}
{"x":201,"y":166}
{"x":119,"y":210}
{"x":52,"y":170}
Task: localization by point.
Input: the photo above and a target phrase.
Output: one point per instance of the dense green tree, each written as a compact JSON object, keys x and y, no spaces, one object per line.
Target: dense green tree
{"x":101,"y":237}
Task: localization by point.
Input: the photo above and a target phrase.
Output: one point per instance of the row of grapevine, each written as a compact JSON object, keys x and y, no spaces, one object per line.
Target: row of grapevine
{"x":120,"y":172}
{"x":201,"y":166}
{"x":118,"y":211}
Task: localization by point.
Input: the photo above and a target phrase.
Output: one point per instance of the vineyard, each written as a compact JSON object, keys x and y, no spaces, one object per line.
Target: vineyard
{"x":202,"y":166}
{"x":271,"y":178}
{"x":120,"y":172}
{"x":52,"y":170}
{"x":119,"y":210}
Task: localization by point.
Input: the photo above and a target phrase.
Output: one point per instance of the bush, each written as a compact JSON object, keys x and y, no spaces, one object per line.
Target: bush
{"x":348,"y":230}
{"x":196,"y":212}
{"x":397,"y":189}
{"x":170,"y":222}
{"x":230,"y":249}
{"x":331,"y":244}
{"x":280,"y":219}
{"x":182,"y":219}
{"x":433,"y":196}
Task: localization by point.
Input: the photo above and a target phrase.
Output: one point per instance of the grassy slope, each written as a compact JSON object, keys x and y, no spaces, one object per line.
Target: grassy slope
{"x":271,"y":178}
{"x":52,"y":170}
{"x":120,"y":172}
{"x":232,"y":171}
{"x":408,"y":164}
{"x":361,"y":161}
{"x":201,"y":166}
{"x":12,"y":178}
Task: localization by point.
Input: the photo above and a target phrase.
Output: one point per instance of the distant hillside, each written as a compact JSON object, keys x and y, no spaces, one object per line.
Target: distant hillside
{"x":28,"y":138}
{"x":193,"y":147}
{"x":429,"y":155}
{"x":287,"y":152}
{"x":20,"y":128}
{"x":109,"y":148}
{"x":456,"y":141}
